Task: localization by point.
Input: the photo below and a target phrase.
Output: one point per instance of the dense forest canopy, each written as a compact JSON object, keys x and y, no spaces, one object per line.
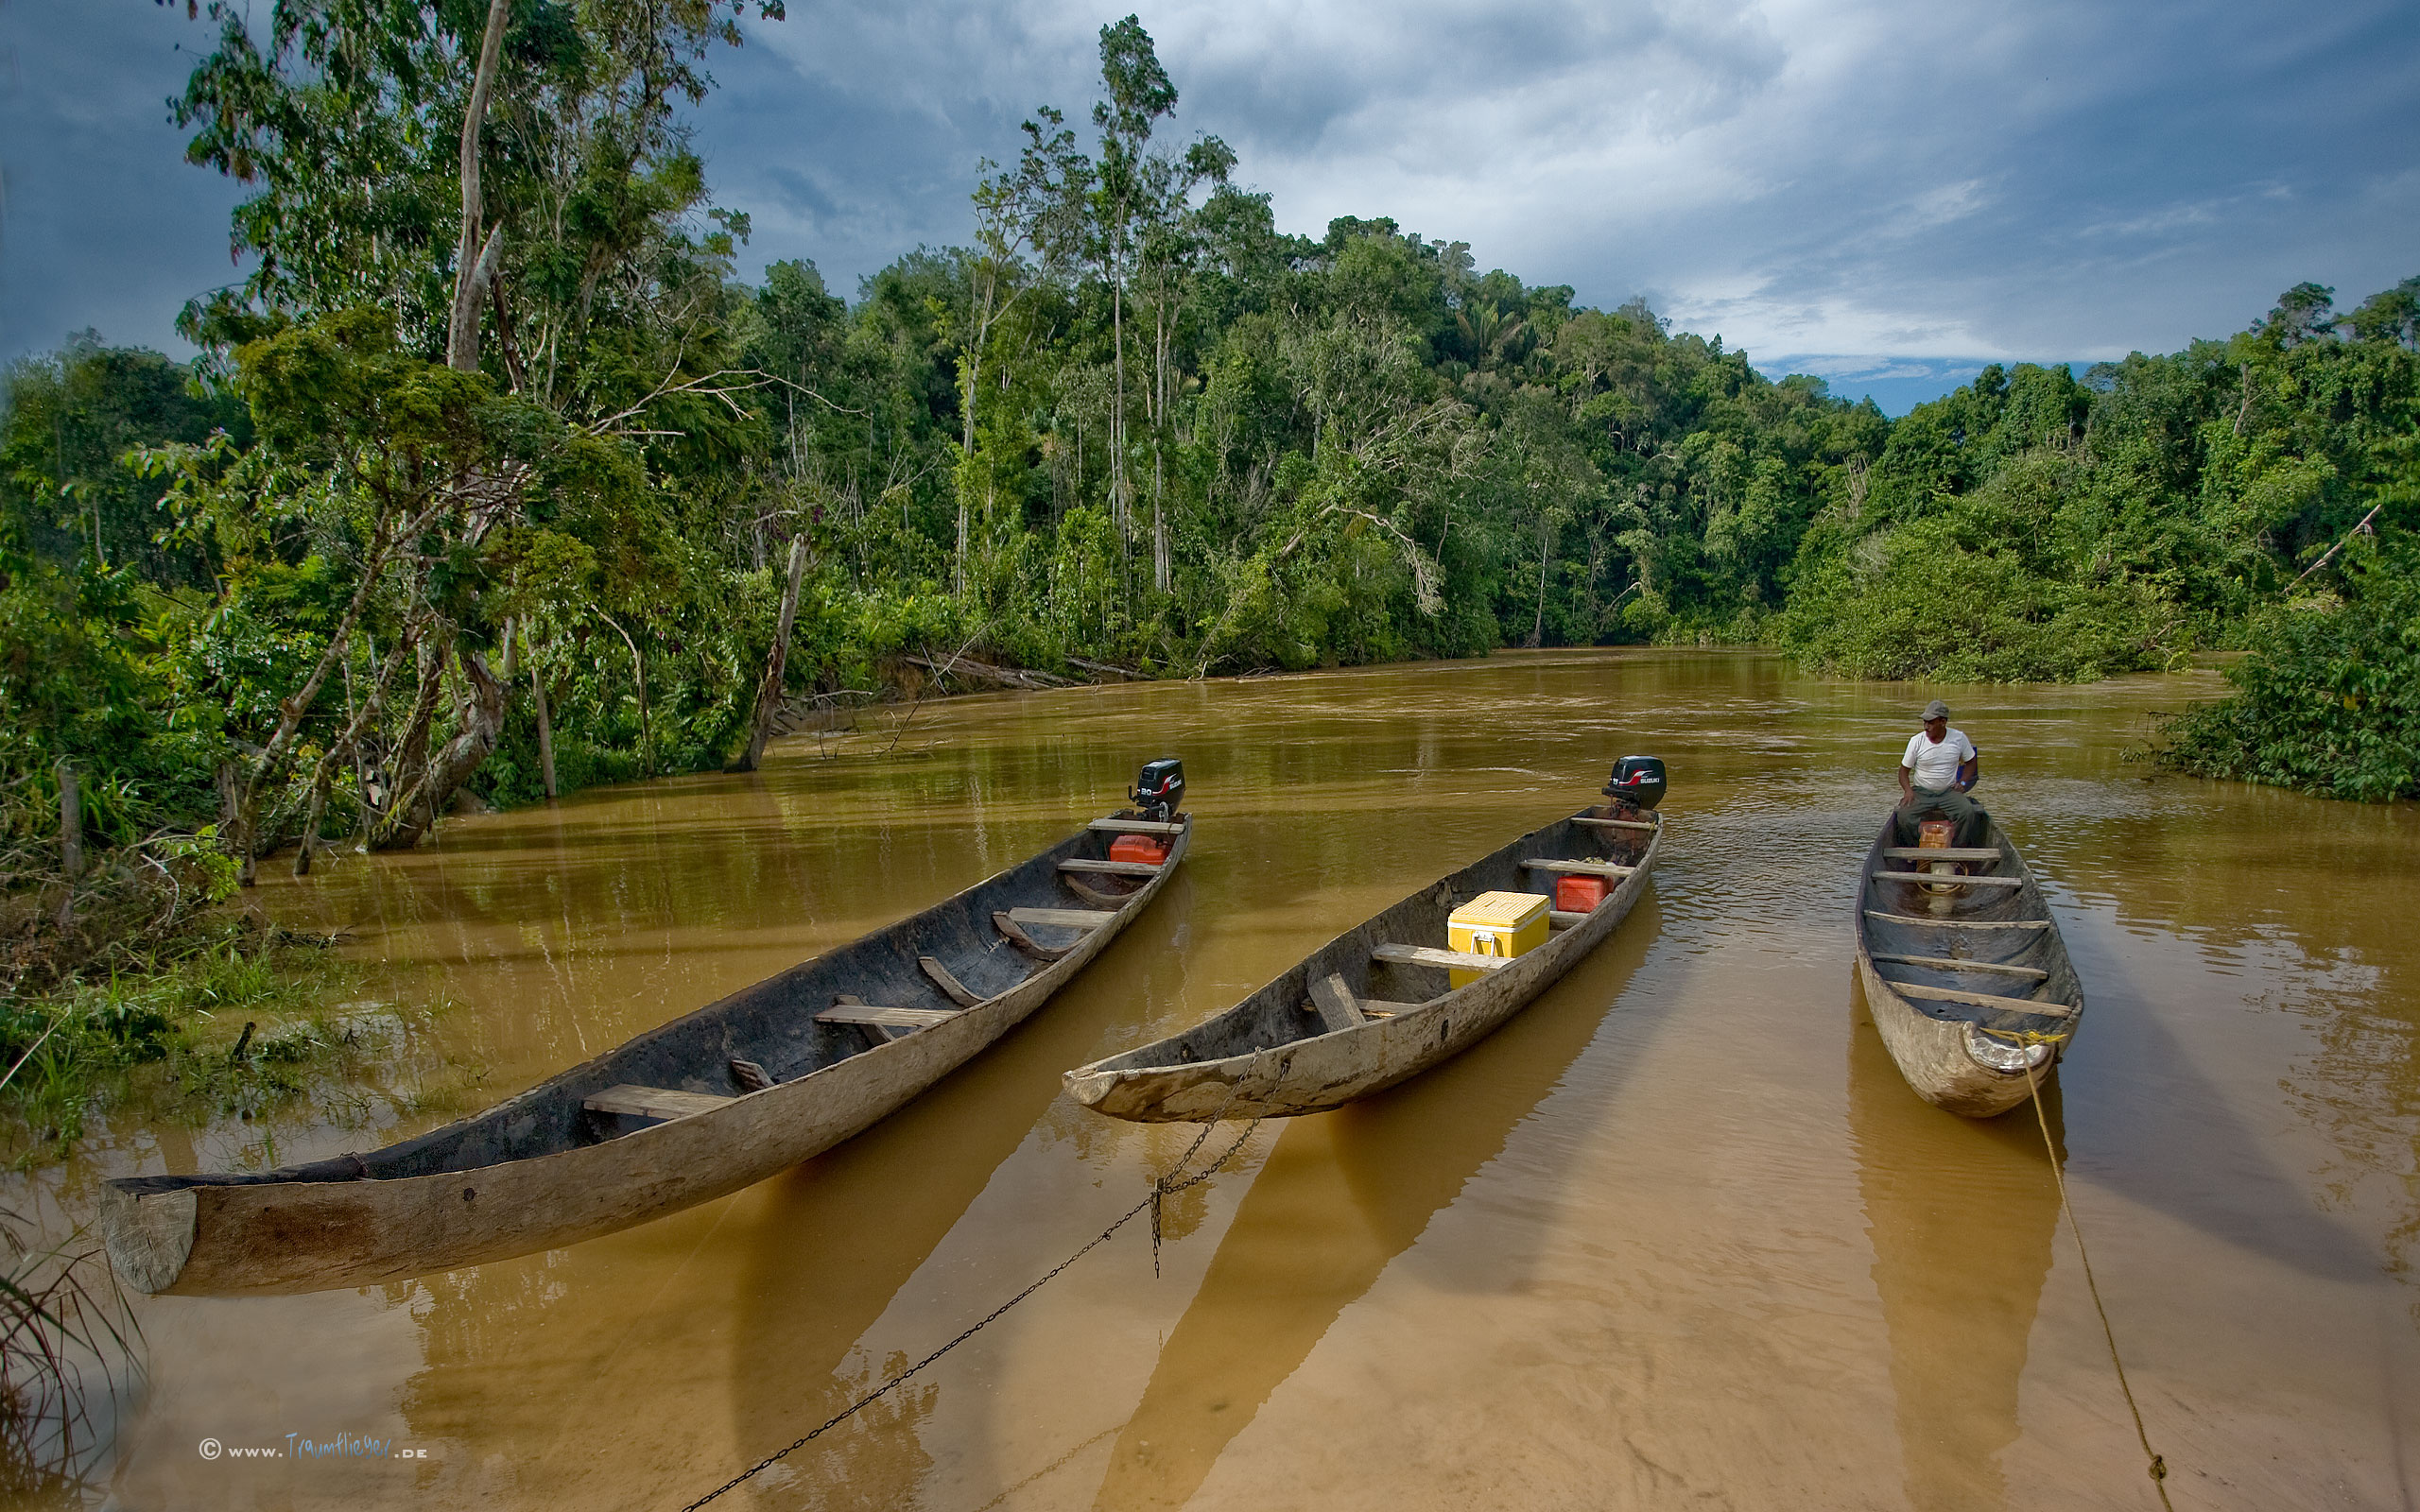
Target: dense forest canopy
{"x":492,"y":463}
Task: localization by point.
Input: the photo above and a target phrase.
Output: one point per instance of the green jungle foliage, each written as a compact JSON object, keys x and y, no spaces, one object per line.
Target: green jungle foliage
{"x":474,"y":463}
{"x":2034,"y":526}
{"x":2329,"y":701}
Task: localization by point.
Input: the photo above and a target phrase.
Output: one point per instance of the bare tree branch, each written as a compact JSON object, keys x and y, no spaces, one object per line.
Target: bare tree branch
{"x":462,"y":331}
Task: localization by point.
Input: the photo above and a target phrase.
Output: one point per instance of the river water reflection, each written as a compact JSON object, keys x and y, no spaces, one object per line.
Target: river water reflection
{"x":1677,"y":1236}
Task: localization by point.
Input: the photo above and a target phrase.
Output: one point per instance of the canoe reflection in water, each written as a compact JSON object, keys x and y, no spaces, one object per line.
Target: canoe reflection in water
{"x":1963,"y":1214}
{"x":1340,"y":1196}
{"x":822,"y":1268}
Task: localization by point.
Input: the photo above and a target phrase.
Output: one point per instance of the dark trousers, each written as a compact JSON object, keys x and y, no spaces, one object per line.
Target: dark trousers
{"x":1973,"y":824}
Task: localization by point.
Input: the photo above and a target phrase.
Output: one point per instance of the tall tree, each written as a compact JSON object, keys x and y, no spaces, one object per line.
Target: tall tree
{"x":1168,"y":242}
{"x":560,"y":122}
{"x":1033,"y":211}
{"x":1139,"y":93}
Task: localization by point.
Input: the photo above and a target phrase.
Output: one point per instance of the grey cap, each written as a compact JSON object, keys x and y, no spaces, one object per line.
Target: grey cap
{"x":1936,"y":710}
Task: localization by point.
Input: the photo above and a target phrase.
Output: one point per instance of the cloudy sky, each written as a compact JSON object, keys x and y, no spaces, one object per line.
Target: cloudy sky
{"x":1886,"y":193}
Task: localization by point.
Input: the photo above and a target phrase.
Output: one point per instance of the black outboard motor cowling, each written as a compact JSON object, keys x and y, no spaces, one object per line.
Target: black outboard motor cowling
{"x":1638,"y":779}
{"x":1160,"y":789}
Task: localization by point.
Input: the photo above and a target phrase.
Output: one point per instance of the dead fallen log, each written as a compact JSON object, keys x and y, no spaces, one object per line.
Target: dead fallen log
{"x":1023,"y":677}
{"x":1105,"y":668}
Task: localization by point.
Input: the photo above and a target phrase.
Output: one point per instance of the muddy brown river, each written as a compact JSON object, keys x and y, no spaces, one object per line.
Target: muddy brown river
{"x":1678,"y":1236}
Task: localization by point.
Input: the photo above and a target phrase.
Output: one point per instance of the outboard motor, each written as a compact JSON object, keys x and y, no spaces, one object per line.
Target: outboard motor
{"x":1161,"y":789}
{"x":1638,"y":779}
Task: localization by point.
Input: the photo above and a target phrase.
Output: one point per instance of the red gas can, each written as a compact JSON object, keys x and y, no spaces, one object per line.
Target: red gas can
{"x":1579,"y":895}
{"x":1143,"y":847}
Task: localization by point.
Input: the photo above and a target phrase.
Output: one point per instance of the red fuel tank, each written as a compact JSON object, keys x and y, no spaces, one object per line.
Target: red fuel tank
{"x":1579,"y":895}
{"x":1142,"y":847}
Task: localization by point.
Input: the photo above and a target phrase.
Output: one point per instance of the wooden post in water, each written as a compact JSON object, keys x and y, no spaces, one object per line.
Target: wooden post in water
{"x":768,"y":693}
{"x":71,"y":839}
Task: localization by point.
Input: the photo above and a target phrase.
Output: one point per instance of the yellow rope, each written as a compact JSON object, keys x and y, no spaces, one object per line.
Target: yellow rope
{"x":2024,"y":1037}
{"x":2159,"y":1467}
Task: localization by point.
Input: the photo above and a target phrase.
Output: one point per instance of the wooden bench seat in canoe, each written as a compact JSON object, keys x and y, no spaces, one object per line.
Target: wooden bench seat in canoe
{"x":653,"y":1102}
{"x":1595,"y":823}
{"x":1958,"y":923}
{"x":1338,"y":1008}
{"x":1063,"y":918}
{"x":1950,"y":963}
{"x":1115,"y":868}
{"x":1134,"y":827}
{"x":1982,"y":1000}
{"x":1917,"y":852}
{"x":1012,"y":924}
{"x":952,"y":988}
{"x":1333,"y":1003}
{"x":1442,"y":959}
{"x":1937,"y":880}
{"x":882,"y":1018}
{"x":1582,"y":869}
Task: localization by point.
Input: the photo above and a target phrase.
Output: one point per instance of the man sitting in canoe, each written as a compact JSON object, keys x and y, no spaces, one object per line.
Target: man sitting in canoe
{"x":1939,"y":765}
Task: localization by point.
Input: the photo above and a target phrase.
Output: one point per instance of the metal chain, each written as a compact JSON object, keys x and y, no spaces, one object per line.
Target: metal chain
{"x":1162,"y":1187}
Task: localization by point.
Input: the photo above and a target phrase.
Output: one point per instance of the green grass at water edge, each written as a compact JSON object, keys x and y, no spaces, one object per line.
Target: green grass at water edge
{"x":163,"y":1045}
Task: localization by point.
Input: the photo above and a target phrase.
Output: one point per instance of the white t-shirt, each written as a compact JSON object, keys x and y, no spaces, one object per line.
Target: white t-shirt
{"x":1936,"y":766}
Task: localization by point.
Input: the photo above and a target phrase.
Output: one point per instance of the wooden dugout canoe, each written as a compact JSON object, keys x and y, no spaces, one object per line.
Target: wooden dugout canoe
{"x":665,"y":1122}
{"x":1308,"y":1042}
{"x":1971,"y":999}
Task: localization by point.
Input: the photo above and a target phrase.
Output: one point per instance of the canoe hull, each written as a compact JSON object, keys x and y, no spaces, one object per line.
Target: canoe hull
{"x":204,"y":1236}
{"x":1933,"y":1055}
{"x":1934,"y":1049}
{"x":1322,"y":1071}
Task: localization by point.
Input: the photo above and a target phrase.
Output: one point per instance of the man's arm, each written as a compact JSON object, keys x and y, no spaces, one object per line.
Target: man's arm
{"x":1968,"y":773}
{"x":1907,"y":789}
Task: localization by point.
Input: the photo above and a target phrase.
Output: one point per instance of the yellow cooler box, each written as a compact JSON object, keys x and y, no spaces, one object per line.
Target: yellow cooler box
{"x":1497,"y":923}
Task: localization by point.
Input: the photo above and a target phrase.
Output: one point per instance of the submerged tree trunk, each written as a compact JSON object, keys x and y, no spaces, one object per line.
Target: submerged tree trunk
{"x":408,"y":766}
{"x":479,"y":715}
{"x":545,"y":726}
{"x":769,"y":692}
{"x":311,"y":822}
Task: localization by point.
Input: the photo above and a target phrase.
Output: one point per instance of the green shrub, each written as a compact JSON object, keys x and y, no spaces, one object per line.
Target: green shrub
{"x":2329,"y":702}
{"x":1927,"y":600}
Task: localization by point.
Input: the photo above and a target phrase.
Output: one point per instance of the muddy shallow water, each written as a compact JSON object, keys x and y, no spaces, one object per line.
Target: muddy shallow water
{"x":1678,"y":1236}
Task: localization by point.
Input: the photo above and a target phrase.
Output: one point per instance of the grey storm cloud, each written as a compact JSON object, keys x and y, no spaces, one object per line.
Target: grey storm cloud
{"x":1867,"y":191}
{"x":1877,"y":191}
{"x":102,"y":224}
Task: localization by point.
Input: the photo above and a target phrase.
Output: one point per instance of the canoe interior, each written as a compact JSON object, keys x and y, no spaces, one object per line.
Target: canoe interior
{"x":772,"y":1023}
{"x":1911,"y":929}
{"x":1281,"y":1013}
